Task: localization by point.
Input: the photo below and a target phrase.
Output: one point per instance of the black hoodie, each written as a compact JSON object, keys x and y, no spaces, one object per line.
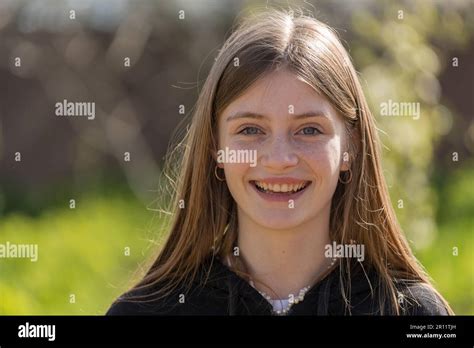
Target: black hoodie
{"x":226,"y":293}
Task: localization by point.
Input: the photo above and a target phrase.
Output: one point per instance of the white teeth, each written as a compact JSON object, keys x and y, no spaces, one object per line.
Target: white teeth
{"x":280,"y":187}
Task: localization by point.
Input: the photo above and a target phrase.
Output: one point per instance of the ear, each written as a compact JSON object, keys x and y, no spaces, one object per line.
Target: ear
{"x":352,"y":145}
{"x":346,"y":161}
{"x":215,"y":156}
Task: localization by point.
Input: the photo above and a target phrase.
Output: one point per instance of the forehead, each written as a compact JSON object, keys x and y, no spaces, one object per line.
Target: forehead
{"x":275,"y":92}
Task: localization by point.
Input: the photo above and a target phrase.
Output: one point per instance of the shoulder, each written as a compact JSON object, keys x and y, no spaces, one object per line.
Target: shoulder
{"x":420,"y":299}
{"x":414,"y":298}
{"x":204,"y":295}
{"x":145,"y":301}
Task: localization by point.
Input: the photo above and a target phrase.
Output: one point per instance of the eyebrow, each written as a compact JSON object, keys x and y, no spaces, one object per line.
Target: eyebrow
{"x":248,"y":114}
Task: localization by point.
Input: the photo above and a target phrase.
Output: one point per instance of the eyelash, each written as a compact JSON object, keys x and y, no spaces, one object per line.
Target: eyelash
{"x":252,"y":127}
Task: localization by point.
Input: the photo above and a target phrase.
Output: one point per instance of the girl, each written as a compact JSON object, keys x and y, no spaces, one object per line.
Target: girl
{"x":306,"y":229}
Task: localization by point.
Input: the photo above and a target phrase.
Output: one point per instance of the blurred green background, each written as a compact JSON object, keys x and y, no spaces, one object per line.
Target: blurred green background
{"x":419,"y":51}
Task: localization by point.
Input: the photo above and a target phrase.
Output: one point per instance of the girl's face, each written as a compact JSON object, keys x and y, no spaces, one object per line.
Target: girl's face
{"x":298,"y":142}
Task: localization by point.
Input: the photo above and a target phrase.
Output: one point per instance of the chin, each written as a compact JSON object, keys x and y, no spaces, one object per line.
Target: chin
{"x":278,"y":220}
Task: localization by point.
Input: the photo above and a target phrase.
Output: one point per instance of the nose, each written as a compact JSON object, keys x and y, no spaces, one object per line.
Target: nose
{"x":278,"y":154}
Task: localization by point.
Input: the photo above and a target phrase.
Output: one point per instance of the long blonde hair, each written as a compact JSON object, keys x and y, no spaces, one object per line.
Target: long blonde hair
{"x":361,"y":210}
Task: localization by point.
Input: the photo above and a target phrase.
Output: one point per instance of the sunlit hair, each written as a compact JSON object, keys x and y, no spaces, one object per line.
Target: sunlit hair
{"x":361,"y":210}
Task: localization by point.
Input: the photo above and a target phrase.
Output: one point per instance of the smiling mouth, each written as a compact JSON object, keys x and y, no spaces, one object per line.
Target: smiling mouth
{"x":280,"y":189}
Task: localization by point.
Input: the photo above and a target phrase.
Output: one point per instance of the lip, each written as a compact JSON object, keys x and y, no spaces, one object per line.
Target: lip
{"x":280,"y":197}
{"x":281,"y":180}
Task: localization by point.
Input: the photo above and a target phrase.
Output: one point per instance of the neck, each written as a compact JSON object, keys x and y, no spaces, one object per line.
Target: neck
{"x":281,"y":262}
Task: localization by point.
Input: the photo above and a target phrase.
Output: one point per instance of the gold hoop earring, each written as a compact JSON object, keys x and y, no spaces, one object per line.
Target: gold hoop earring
{"x":216,"y":175}
{"x":345,"y":182}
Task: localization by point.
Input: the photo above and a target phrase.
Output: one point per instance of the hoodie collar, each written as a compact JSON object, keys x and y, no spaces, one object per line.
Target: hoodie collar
{"x":319,"y":300}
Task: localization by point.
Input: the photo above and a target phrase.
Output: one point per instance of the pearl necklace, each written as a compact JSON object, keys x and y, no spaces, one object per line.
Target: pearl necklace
{"x":292,"y":300}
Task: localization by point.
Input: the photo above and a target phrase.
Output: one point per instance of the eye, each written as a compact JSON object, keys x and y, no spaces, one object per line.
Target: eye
{"x":309,"y":131}
{"x":250,"y":131}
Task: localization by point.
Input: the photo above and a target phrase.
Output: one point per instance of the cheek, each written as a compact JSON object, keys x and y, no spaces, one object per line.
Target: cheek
{"x":236,"y":171}
{"x":242,"y":144}
{"x":236,"y":176}
{"x":322,"y":157}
